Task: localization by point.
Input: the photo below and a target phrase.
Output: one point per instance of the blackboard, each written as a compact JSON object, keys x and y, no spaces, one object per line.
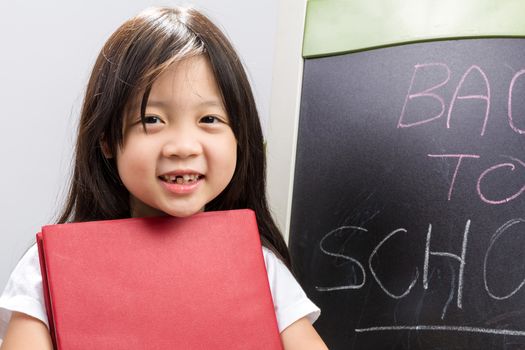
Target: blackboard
{"x":408,"y":212}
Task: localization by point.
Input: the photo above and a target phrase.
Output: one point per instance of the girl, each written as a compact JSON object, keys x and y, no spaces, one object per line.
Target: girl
{"x":168,"y":127}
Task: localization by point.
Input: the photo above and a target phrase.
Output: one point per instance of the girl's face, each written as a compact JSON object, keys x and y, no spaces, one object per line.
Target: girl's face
{"x":188,"y":153}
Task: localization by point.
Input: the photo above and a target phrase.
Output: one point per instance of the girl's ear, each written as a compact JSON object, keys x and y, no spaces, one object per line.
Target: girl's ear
{"x":105,"y":149}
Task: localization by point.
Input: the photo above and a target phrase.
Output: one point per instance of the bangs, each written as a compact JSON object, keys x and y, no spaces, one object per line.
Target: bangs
{"x":144,"y":90}
{"x":142,"y":49}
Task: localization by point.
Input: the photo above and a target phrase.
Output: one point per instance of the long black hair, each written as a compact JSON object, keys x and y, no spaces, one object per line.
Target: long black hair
{"x":128,"y":64}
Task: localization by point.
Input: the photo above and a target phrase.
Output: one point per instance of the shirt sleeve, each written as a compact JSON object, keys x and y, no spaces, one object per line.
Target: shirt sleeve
{"x":289,"y":299}
{"x":23,"y":292}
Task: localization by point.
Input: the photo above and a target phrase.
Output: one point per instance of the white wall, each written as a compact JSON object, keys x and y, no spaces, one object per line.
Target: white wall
{"x":282,"y":124}
{"x":47,"y":50}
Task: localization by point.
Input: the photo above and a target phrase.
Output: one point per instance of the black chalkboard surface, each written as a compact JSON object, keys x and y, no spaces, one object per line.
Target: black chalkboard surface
{"x":408,"y":212}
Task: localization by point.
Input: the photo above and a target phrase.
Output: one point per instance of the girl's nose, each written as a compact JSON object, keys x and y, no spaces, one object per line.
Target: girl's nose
{"x":182,"y":145}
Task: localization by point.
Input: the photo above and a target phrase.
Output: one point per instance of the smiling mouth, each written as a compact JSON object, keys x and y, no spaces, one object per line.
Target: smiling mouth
{"x":181,"y":179}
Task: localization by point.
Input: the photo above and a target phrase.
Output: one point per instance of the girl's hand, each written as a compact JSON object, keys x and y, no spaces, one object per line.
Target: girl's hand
{"x":301,"y":335}
{"x":26,"y":333}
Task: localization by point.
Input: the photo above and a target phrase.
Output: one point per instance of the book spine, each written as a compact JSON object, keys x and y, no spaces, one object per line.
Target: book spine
{"x":45,"y":287}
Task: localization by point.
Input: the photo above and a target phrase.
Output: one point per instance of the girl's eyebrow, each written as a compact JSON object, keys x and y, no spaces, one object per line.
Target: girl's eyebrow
{"x":204,"y":103}
{"x":211,"y":103}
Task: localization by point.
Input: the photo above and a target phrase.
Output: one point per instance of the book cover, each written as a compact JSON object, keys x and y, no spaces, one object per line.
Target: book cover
{"x":158,"y":283}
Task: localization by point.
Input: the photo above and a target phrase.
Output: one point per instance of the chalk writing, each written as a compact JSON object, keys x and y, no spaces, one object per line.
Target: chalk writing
{"x":444,"y":328}
{"x":460,"y":158}
{"x":426,"y":93}
{"x":493,"y":168}
{"x":489,"y":178}
{"x":493,"y":240}
{"x":359,"y":265}
{"x":484,"y":174}
{"x":450,"y":297}
{"x":374,"y":252}
{"x":486,"y":97}
{"x":461,"y":259}
{"x":431,"y":92}
{"x":511,"y":88}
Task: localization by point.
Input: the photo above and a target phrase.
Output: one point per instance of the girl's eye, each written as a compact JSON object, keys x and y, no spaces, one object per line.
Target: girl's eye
{"x":151,"y":119}
{"x":209,"y":119}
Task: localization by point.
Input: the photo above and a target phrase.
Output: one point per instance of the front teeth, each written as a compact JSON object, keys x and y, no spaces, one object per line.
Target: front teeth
{"x":180,"y":179}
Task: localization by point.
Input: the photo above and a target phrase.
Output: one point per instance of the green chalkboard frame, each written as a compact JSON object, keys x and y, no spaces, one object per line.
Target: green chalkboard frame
{"x":340,"y":26}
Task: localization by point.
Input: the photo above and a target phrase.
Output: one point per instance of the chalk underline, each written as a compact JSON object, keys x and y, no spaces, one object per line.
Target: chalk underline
{"x":443,"y":328}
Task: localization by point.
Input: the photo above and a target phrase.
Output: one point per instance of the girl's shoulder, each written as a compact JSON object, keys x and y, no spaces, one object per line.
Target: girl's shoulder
{"x":26,"y":274}
{"x":290,"y":301}
{"x":23,"y":291}
{"x":276,"y":269}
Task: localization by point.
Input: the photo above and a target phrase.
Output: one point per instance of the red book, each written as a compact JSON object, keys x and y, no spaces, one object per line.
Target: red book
{"x":158,"y":283}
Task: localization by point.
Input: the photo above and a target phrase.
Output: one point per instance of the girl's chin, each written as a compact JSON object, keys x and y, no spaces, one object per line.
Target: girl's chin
{"x":142,"y":210}
{"x":182,"y":213}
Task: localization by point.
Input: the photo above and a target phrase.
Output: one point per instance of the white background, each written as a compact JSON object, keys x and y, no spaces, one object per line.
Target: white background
{"x":47,"y":49}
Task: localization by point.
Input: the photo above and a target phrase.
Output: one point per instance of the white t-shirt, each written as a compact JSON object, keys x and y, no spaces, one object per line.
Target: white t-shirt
{"x":24,"y":293}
